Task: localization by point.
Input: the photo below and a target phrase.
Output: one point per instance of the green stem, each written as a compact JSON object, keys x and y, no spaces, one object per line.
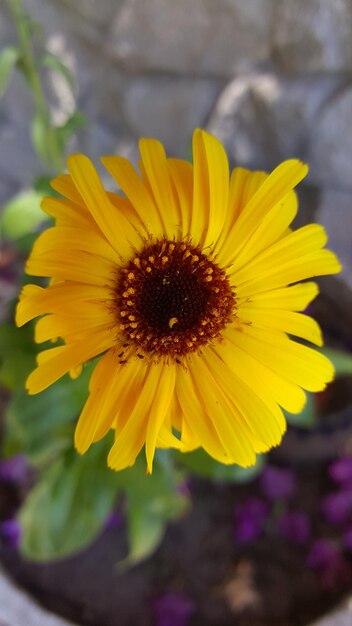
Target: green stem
{"x":30,"y":71}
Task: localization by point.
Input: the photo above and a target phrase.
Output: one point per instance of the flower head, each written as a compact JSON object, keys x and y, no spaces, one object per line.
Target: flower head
{"x":347,"y":538}
{"x":250,"y":518}
{"x":187,"y":285}
{"x":173,"y":609}
{"x":341,"y":471}
{"x":14,"y":469}
{"x":277,"y":483}
{"x":326,"y":558}
{"x":10,"y":532}
{"x":337,"y":506}
{"x":294,"y":526}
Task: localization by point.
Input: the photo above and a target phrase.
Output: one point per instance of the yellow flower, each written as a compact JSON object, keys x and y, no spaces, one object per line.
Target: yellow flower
{"x":188,"y":286}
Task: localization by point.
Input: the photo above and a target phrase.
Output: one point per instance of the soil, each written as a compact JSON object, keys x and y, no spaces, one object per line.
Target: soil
{"x":262,"y":584}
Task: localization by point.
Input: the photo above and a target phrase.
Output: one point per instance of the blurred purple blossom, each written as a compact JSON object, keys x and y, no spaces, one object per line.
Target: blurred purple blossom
{"x":250,"y":517}
{"x":184,"y":488}
{"x":10,"y":532}
{"x":341,"y":471}
{"x":173,"y":609}
{"x":347,"y":538}
{"x":295,"y":526}
{"x":114,"y":520}
{"x":323,"y":553}
{"x":337,"y":506}
{"x":326,"y":558}
{"x":277,"y":483}
{"x":14,"y":469}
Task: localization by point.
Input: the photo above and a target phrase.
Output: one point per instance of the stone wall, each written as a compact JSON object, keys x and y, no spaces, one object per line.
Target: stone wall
{"x":271,"y":78}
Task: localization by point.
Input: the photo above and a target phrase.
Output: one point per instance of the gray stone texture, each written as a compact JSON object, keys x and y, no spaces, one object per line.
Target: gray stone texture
{"x":181,"y":105}
{"x":313,"y":35}
{"x":342,"y":617}
{"x":198,"y":37}
{"x":331,"y":146}
{"x":335,"y":213}
{"x":18,"y":609}
{"x":265,"y":117}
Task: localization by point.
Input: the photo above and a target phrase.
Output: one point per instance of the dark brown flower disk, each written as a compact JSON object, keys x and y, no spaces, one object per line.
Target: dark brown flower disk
{"x":172,"y":299}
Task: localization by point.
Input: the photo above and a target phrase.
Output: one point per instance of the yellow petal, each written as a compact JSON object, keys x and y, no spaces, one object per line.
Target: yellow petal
{"x":271,"y":228}
{"x":241,"y":359}
{"x":131,"y":437}
{"x":182,"y":175}
{"x":52,"y":326}
{"x":196,"y":421}
{"x":67,"y":213}
{"x":230,"y":426}
{"x":65,"y":186}
{"x":318,"y":263}
{"x":201,"y":193}
{"x":218,"y":174}
{"x":264,"y":418}
{"x":166,"y":439}
{"x":132,"y":185}
{"x":159,"y":409}
{"x":286,"y":321}
{"x":117,"y":230}
{"x":94,"y":410}
{"x":276,"y":186}
{"x":108,"y":383}
{"x":68,"y":358}
{"x":67,"y":298}
{"x":156,"y":169}
{"x":66,"y":239}
{"x":294,"y":298}
{"x":302,"y":365}
{"x":80,"y":267}
{"x":126,"y":208}
{"x":239,"y":184}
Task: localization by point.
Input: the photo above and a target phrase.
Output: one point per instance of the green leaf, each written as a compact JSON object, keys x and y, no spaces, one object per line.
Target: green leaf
{"x":42,"y":184}
{"x":64,"y":133}
{"x":341,"y":360}
{"x":152,"y":500}
{"x":17,"y":354}
{"x":69,"y":505}
{"x":42,"y":425}
{"x":306,"y":418}
{"x":200,"y":463}
{"x":41,"y":131}
{"x":26,"y":243}
{"x":8,"y":59}
{"x":53,"y":62}
{"x":22,"y":214}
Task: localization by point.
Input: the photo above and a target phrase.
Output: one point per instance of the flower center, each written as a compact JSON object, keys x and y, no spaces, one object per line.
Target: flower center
{"x":172,"y":299}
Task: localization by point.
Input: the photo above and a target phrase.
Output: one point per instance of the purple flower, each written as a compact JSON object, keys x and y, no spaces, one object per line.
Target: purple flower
{"x":323,"y":553}
{"x":14,"y":469}
{"x":10,"y":532}
{"x":114,"y":520}
{"x":337,"y":506}
{"x":341,"y":471}
{"x":250,"y":517}
{"x":184,"y":488}
{"x":277,"y":483}
{"x":347,"y":539}
{"x":294,"y":526}
{"x":333,"y":569}
{"x":173,"y":609}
